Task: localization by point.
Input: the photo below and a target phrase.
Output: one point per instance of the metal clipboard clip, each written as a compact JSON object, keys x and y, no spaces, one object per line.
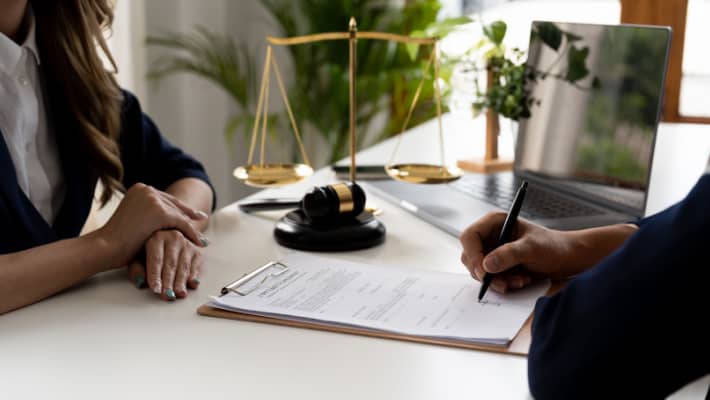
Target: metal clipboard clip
{"x":249,"y":282}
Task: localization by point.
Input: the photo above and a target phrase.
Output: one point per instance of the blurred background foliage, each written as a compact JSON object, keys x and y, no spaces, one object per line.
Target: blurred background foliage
{"x":643,"y":59}
{"x":628,"y":98}
{"x":387,"y":76}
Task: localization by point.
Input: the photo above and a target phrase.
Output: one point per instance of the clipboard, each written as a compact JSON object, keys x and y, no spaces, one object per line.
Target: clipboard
{"x":519,"y":346}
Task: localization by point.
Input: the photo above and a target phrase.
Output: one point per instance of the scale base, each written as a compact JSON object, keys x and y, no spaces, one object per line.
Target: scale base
{"x":485,"y":166}
{"x":296,"y":231}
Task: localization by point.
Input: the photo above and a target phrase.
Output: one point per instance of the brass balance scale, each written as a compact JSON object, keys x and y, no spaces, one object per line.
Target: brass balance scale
{"x":364,"y":230}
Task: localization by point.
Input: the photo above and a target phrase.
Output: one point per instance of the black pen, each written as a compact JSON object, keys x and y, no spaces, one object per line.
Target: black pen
{"x":505,"y":232}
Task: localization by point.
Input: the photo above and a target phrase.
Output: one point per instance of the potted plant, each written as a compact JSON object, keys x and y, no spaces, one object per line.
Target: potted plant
{"x":318,"y":92}
{"x":507,"y":78}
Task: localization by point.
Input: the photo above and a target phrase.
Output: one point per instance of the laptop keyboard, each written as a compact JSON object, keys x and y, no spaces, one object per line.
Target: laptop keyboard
{"x":500,"y":189}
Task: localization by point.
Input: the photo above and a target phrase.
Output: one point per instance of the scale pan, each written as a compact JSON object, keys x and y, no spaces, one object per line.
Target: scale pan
{"x":269,"y":175}
{"x":423,"y":173}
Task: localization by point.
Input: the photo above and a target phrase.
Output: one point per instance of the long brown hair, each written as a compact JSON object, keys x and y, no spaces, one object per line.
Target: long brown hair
{"x":69,"y":35}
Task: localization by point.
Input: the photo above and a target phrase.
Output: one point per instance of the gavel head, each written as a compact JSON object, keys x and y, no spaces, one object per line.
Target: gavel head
{"x":345,"y":199}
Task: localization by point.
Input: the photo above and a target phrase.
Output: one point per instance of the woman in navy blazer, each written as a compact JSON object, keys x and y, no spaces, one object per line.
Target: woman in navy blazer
{"x":97,"y":132}
{"x":633,"y":321}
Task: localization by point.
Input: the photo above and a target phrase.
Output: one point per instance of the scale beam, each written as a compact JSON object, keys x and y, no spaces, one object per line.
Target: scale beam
{"x":321,"y":37}
{"x":268,"y":174}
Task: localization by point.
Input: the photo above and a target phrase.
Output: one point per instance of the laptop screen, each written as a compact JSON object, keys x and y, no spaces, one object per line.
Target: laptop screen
{"x":595,"y":100}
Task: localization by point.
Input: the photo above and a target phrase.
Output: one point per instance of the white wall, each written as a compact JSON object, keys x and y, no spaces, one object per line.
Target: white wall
{"x":126,"y":45}
{"x":189,"y":111}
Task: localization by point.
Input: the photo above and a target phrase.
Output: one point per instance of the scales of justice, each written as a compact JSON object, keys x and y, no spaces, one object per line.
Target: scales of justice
{"x":348,"y":231}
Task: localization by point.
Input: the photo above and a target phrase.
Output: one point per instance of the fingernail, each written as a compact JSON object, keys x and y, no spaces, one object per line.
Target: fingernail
{"x":140,"y":281}
{"x":170,"y":294}
{"x":491,"y":263}
{"x":202,"y":214}
{"x":498,"y":287}
{"x":157,"y":288}
{"x":195,"y":281}
{"x":205,"y":242}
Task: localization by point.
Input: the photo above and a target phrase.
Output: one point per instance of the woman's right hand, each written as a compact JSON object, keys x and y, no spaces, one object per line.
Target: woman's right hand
{"x":143,"y":211}
{"x":534,"y":251}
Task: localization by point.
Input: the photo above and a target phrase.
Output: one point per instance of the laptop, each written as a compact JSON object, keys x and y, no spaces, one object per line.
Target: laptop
{"x":587,"y":148}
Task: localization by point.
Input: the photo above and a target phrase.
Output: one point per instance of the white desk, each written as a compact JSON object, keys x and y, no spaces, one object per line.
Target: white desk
{"x":105,"y":339}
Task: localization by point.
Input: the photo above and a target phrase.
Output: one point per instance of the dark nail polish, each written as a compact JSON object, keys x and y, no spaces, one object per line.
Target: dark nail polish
{"x":170,"y":293}
{"x":139,"y":281}
{"x":195,"y":282}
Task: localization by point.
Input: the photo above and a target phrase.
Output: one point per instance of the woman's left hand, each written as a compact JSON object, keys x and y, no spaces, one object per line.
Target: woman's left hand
{"x":172,"y":265}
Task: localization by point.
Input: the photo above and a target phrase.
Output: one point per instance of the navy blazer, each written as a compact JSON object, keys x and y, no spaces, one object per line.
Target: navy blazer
{"x":146,"y":156}
{"x":635,"y":325}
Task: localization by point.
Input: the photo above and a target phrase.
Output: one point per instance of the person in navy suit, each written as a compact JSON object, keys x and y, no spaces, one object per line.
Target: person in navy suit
{"x":66,"y":126}
{"x":631,"y":323}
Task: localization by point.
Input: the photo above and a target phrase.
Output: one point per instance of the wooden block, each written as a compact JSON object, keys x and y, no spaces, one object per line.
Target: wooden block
{"x":485,"y":166}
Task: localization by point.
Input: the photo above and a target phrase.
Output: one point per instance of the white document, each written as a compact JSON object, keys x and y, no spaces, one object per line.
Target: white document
{"x":400,"y":300}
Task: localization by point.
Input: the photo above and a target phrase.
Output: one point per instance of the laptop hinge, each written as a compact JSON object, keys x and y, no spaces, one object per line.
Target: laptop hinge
{"x":579,"y":194}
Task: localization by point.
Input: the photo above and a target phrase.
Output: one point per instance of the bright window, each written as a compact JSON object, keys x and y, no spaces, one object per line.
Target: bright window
{"x":518,"y":15}
{"x":695,"y":82}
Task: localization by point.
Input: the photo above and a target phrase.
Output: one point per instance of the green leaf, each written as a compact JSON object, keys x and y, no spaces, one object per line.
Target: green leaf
{"x":576,"y":60}
{"x":443,"y":28}
{"x":480,"y":44}
{"x":494,"y":55}
{"x":457,"y":21}
{"x":477,"y":109}
{"x":550,"y":34}
{"x":596,"y":83}
{"x":571,"y":37}
{"x":412,"y":50}
{"x":495,"y":31}
{"x":234,"y":123}
{"x":437,"y":29}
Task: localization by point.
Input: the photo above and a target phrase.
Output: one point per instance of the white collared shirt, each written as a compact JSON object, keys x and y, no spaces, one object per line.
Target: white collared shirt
{"x":24,"y":126}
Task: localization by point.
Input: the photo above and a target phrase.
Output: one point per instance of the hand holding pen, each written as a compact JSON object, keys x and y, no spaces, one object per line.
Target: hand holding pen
{"x":533,"y":252}
{"x":506,"y":232}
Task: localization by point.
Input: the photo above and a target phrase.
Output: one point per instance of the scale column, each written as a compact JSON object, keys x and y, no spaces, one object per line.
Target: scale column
{"x":353,"y":65}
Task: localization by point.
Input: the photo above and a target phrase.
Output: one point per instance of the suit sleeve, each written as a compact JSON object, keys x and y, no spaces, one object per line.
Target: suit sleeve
{"x":635,"y":325}
{"x":148,"y":157}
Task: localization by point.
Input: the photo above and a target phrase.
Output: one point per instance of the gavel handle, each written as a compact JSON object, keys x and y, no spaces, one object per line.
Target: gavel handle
{"x":268,"y":204}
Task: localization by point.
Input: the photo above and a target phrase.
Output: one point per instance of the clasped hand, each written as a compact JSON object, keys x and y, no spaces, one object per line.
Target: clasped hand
{"x":155,"y":234}
{"x":169,"y":265}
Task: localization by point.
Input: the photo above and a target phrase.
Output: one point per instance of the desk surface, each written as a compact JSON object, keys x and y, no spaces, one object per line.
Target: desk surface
{"x":105,"y":336}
